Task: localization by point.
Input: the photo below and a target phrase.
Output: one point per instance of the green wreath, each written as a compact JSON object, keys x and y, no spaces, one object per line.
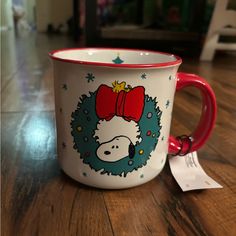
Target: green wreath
{"x":84,"y":123}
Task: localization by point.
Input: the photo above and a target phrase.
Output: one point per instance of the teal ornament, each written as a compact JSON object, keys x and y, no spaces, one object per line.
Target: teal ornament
{"x":167,"y":103}
{"x":64,"y":86}
{"x":117,"y":60}
{"x":144,"y":76}
{"x":90,"y":77}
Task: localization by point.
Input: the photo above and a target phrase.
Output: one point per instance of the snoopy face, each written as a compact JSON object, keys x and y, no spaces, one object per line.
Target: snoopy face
{"x":117,"y":126}
{"x":116,"y":149}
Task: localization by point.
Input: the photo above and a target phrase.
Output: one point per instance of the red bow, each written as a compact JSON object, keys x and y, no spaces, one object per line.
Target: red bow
{"x":128,"y":105}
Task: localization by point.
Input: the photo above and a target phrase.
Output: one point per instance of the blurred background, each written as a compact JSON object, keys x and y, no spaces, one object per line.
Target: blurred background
{"x":178,"y":26}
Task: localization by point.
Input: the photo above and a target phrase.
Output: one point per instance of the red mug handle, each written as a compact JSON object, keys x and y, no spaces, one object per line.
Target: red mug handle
{"x":184,"y":144}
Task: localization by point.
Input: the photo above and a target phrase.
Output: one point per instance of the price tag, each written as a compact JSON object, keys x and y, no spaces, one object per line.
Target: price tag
{"x":189,"y":174}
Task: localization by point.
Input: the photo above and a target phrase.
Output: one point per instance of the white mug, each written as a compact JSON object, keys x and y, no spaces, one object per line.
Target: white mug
{"x":113,"y":114}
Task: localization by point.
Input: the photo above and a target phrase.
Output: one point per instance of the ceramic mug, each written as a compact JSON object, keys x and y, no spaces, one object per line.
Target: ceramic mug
{"x":113,"y":114}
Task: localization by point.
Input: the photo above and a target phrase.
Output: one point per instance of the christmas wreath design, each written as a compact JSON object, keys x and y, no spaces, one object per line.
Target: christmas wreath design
{"x":101,"y":128}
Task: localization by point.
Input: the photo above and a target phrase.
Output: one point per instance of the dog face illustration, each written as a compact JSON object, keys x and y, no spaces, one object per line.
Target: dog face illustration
{"x":117,"y":126}
{"x":116,"y":149}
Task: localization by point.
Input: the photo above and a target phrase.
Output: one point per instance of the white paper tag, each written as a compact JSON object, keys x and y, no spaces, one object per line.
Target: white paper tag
{"x":189,"y":174}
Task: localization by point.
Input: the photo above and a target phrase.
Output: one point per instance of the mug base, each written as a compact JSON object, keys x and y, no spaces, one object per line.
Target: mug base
{"x":110,"y":184}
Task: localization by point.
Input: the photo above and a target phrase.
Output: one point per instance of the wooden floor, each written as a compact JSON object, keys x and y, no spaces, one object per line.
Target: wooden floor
{"x":38,"y":199}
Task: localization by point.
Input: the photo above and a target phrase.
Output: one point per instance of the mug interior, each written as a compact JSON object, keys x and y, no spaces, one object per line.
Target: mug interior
{"x":116,"y":57}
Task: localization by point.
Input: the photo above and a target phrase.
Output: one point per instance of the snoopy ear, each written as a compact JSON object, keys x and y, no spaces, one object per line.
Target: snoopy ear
{"x":131,"y":150}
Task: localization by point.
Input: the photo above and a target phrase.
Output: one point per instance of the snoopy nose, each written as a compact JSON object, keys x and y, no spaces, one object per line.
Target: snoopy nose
{"x":107,"y":153}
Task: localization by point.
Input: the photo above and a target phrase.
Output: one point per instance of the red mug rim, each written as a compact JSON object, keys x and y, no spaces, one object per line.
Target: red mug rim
{"x":176,"y":62}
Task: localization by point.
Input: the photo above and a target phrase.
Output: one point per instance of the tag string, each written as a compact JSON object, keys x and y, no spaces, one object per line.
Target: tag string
{"x":183,"y":139}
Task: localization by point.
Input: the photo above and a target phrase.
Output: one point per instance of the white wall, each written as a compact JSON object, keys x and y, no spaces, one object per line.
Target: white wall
{"x":29,"y":6}
{"x":6,"y":14}
{"x":54,"y":11}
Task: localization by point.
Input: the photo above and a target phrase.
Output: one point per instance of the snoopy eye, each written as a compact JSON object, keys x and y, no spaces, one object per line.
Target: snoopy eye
{"x":112,"y":146}
{"x":117,"y":146}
